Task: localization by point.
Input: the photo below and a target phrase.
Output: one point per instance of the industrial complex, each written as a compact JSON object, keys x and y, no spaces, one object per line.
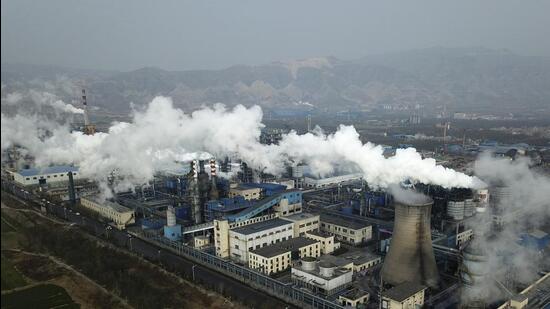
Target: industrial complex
{"x":318,"y":241}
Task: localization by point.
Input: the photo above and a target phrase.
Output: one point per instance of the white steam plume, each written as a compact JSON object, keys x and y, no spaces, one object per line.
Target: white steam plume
{"x":162,"y":134}
{"x":40,"y":99}
{"x":527,"y":208}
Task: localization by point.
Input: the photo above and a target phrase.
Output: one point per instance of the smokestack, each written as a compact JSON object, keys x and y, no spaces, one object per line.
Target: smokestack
{"x":214,"y":195}
{"x":72,"y":195}
{"x":89,"y":129}
{"x":411,"y":256}
{"x":194,"y":193}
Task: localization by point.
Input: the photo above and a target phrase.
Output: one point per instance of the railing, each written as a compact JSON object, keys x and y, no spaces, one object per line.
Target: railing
{"x":255,"y":279}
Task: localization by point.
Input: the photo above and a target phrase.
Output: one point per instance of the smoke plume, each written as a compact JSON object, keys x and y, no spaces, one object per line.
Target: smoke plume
{"x":160,"y":135}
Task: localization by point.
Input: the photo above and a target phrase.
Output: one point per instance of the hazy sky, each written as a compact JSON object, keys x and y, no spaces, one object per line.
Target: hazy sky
{"x":126,"y":35}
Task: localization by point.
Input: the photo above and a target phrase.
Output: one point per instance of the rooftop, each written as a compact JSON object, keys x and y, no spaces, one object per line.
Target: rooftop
{"x":300,"y":216}
{"x":106,"y":203}
{"x":48,"y":170}
{"x":352,"y":224}
{"x":261,"y":226}
{"x":359,"y":257}
{"x":319,"y":233}
{"x":403,"y":291}
{"x":284,"y":246}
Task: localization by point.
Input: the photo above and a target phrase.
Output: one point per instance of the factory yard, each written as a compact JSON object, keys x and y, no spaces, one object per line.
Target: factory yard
{"x":80,"y":271}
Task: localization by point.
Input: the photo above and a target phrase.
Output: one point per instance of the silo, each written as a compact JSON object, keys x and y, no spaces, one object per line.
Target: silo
{"x":455,"y":210}
{"x":411,"y":256}
{"x":501,"y":197}
{"x":469,"y":207}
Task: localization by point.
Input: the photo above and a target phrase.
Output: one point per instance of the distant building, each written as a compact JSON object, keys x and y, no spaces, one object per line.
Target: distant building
{"x":48,"y":175}
{"x":404,"y":296}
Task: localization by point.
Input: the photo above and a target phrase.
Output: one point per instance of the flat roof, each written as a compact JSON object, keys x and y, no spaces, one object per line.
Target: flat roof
{"x":320,"y":233}
{"x":359,"y":257}
{"x":284,"y":246}
{"x":403,"y":291}
{"x":260,"y":226}
{"x":299,"y":216}
{"x":349,"y":223}
{"x":108,"y":204}
{"x":336,"y":260}
{"x":47,"y":170}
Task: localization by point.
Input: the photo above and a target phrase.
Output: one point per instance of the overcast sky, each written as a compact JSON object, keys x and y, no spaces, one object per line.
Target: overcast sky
{"x":176,"y":35}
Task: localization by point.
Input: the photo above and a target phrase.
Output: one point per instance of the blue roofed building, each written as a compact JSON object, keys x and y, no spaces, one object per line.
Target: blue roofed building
{"x":47,"y":175}
{"x":537,"y":240}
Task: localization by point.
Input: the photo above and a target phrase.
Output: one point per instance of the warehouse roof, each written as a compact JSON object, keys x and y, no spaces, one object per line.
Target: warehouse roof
{"x":261,"y":226}
{"x":284,"y":246}
{"x":352,"y":224}
{"x":107,"y":204}
{"x":48,"y":170}
{"x":403,"y":291}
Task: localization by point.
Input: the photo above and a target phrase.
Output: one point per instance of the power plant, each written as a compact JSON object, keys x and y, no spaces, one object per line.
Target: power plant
{"x":411,"y":257}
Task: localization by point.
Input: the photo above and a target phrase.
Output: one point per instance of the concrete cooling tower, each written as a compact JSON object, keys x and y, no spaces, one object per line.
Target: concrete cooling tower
{"x":411,"y":256}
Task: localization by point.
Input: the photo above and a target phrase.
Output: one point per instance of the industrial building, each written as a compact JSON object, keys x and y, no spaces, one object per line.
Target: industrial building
{"x":321,"y":277}
{"x":354,"y":298}
{"x":348,"y":231}
{"x":406,"y":295}
{"x":53,"y":175}
{"x":120,"y":215}
{"x":356,"y":261}
{"x":257,"y":235}
{"x":277,"y":257}
{"x":303,"y":223}
{"x":325,"y":239}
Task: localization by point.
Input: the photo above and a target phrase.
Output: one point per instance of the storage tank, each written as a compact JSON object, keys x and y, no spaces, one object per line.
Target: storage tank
{"x":469,"y":207}
{"x":455,"y":210}
{"x":501,"y":197}
{"x":326,"y":269}
{"x":411,"y":256}
{"x":308,"y":263}
{"x":170,"y":216}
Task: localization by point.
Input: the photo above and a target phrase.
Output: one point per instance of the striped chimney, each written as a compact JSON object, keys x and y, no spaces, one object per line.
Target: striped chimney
{"x":212,"y":167}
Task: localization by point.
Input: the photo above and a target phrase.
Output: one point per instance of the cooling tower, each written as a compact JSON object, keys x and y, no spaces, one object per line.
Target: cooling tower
{"x":411,"y":256}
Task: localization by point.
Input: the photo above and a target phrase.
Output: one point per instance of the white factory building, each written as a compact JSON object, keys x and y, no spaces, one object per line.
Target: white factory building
{"x":48,"y":175}
{"x":118,"y":214}
{"x":321,"y":277}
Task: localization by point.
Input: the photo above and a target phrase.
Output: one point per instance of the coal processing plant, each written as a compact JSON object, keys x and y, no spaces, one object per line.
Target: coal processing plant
{"x":334,"y":237}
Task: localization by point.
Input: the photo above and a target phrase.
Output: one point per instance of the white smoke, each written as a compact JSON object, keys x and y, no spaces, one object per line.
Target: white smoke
{"x":39,"y":99}
{"x":160,"y":135}
{"x":527,"y":208}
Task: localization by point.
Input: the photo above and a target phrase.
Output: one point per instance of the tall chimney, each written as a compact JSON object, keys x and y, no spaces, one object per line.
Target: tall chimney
{"x":411,"y":257}
{"x":214,"y":195}
{"x":72,"y":194}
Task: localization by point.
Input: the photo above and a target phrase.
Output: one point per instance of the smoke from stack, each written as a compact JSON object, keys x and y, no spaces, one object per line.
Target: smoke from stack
{"x":155,"y":140}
